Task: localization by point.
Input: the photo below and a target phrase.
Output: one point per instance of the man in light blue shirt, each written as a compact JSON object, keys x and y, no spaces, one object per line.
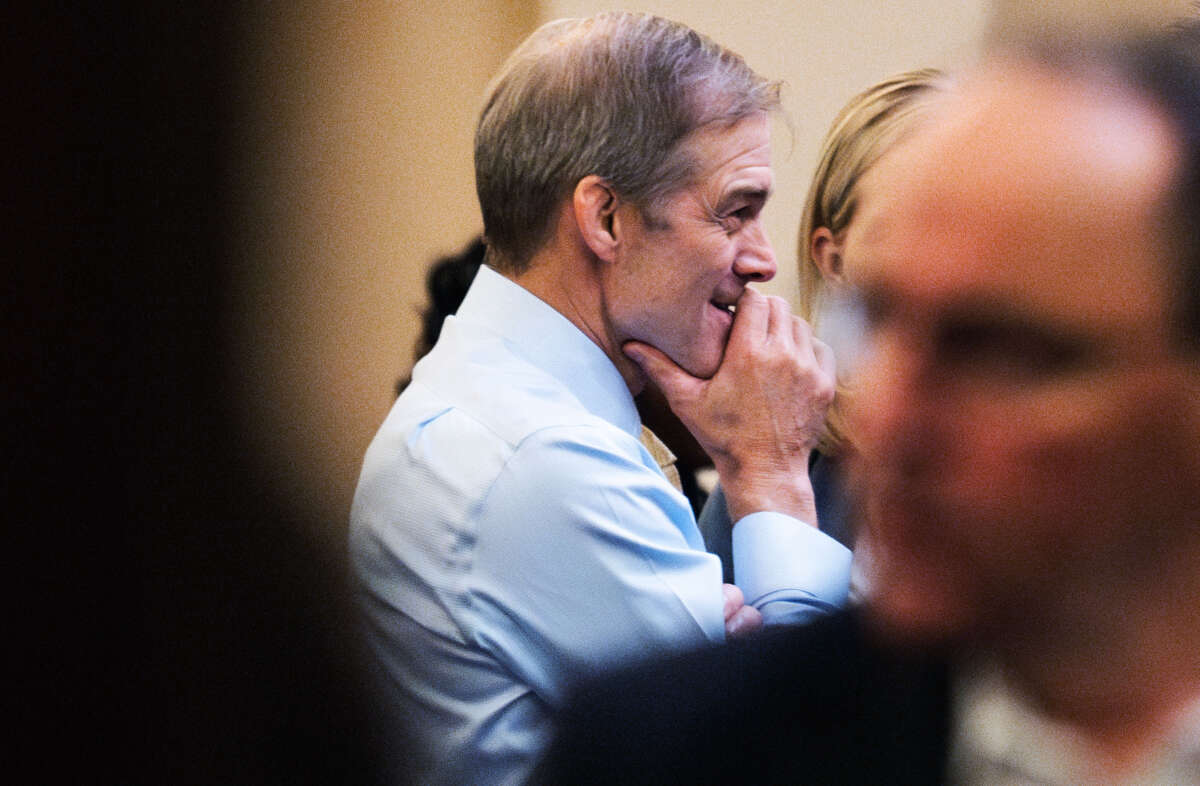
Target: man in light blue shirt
{"x":512,"y":530}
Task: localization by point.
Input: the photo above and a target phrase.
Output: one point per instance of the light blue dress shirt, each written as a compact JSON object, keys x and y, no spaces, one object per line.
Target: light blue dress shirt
{"x":510,"y":533}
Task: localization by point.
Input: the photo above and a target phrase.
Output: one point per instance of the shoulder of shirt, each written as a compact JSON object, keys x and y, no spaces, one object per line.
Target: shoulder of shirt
{"x":506,"y":397}
{"x":519,"y":423}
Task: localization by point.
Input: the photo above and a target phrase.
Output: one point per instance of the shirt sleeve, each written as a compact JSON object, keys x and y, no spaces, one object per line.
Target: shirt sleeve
{"x":790,"y":571}
{"x":587,"y":556}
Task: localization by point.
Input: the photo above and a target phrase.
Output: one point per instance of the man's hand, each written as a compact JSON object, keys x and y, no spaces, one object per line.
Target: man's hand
{"x":760,"y":415}
{"x":740,"y":619}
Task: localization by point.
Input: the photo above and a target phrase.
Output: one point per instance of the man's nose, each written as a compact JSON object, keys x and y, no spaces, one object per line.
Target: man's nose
{"x":756,"y":260}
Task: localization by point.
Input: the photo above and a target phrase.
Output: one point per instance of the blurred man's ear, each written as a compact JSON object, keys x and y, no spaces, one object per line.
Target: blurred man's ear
{"x":595,"y":203}
{"x":827,"y":253}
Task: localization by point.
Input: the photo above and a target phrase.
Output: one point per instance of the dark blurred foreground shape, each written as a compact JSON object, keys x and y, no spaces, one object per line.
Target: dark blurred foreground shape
{"x":175,"y":621}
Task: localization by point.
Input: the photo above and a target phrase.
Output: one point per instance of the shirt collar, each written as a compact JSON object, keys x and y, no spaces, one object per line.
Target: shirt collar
{"x":998,"y":731}
{"x":547,"y":339}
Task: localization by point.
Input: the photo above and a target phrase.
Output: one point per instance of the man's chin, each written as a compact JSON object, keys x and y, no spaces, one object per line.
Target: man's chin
{"x":701,"y":367}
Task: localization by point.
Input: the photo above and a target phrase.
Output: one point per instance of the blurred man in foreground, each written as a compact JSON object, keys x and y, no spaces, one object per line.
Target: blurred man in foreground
{"x":1029,"y":423}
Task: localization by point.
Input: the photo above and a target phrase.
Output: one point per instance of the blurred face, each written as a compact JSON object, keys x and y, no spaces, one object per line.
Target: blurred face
{"x":680,"y":270}
{"x":1028,"y":440}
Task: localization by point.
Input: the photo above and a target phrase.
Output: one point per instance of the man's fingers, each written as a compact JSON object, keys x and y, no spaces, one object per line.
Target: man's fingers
{"x":825,"y":358}
{"x":747,"y":619}
{"x":752,"y":318}
{"x":670,"y":378}
{"x":779,"y":318}
{"x":734,"y":599}
{"x":803,"y":335}
{"x":801,"y":331}
{"x":740,"y":619}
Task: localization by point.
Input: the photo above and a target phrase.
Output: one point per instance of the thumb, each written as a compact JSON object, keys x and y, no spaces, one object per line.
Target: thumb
{"x":672,"y":380}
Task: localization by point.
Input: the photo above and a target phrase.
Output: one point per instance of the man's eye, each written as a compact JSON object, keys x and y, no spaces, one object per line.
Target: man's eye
{"x":735,"y":218}
{"x":1013,"y":353}
{"x":872,"y":309}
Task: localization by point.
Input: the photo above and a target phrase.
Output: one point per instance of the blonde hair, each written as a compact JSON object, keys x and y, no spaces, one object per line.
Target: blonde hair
{"x":868,"y":126}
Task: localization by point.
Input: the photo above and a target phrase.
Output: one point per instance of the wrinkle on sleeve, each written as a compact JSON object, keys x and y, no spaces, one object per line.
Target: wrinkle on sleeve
{"x":791,"y":572}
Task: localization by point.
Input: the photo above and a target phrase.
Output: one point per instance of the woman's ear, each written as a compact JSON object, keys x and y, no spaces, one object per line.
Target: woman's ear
{"x":595,"y":203}
{"x":826,"y":251}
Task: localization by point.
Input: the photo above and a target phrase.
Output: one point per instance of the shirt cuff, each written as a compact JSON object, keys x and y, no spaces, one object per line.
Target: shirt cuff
{"x":778,"y":559}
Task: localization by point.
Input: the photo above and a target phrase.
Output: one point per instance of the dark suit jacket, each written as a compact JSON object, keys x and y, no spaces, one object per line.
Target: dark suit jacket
{"x":818,"y":704}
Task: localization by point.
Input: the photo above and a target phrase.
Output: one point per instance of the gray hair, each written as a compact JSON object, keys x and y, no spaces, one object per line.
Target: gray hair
{"x":613,"y":95}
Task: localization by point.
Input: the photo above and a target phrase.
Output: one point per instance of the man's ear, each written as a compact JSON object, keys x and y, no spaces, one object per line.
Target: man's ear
{"x":827,"y":253}
{"x":595,"y":204}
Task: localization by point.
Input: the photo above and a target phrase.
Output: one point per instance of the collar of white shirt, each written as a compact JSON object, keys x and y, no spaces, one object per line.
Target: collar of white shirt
{"x":547,"y":339}
{"x":999,"y":738}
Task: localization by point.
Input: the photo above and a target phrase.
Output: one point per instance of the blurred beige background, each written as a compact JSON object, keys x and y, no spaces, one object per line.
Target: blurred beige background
{"x":354,"y":160}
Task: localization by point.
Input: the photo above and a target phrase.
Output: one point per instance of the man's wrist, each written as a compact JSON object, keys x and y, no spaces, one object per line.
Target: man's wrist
{"x":791,"y":495}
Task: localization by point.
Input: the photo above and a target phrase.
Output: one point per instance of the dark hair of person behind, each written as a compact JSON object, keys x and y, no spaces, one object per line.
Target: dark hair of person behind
{"x":446,"y":285}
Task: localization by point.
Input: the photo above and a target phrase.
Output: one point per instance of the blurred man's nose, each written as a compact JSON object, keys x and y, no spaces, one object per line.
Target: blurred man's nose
{"x":891,"y":409}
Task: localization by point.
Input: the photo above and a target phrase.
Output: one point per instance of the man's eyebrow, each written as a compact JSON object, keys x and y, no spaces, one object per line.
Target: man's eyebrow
{"x":995,"y":310}
{"x":748,"y":193}
{"x":998,"y":317}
